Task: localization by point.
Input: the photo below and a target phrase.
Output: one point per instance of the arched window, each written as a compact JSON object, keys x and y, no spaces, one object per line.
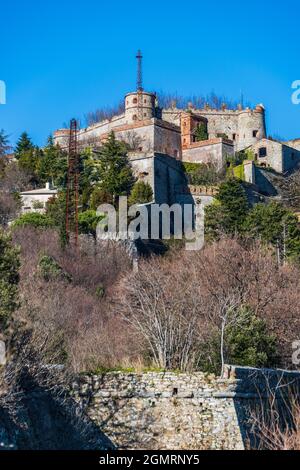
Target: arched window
{"x":134,"y":117}
{"x":134,"y":100}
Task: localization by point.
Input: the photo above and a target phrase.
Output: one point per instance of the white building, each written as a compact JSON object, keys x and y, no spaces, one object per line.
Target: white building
{"x":35,"y":200}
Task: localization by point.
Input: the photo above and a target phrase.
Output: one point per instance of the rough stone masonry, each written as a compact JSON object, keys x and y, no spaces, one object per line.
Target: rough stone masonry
{"x":158,"y":410}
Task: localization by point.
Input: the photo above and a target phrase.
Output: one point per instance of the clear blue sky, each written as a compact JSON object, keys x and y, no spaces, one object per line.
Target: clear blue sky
{"x":61,"y":59}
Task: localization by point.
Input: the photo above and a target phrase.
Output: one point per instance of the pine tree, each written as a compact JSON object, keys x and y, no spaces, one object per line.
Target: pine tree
{"x":112,"y":168}
{"x":29,"y":161}
{"x":274,"y":224}
{"x":228,"y":213}
{"x":24,"y":145}
{"x":53,"y":164}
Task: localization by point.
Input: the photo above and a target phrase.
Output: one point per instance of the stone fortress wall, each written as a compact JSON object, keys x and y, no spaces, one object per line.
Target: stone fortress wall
{"x":170,"y":134}
{"x":166,"y":410}
{"x":243,"y":126}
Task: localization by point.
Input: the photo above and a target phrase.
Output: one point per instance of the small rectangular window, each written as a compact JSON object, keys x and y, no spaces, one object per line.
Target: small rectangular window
{"x":255,"y":133}
{"x":262,"y":152}
{"x":233,"y":136}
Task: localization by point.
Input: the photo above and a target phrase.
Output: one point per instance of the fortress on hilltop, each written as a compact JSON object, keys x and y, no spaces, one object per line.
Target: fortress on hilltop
{"x":161,"y":138}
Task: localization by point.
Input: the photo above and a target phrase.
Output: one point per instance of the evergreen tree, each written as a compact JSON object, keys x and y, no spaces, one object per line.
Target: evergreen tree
{"x":141,"y":193}
{"x":228,"y":213}
{"x":56,"y":212}
{"x":53,"y":164}
{"x":9,"y":277}
{"x":99,"y":196}
{"x":274,"y":224}
{"x":24,"y":145}
{"x":4,"y":143}
{"x":112,"y":169}
{"x":29,"y":161}
{"x":247,"y":342}
{"x":87,"y":221}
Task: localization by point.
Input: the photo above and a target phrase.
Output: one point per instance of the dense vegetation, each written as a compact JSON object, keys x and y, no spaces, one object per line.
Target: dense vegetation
{"x":235,"y":301}
{"x":206,"y":312}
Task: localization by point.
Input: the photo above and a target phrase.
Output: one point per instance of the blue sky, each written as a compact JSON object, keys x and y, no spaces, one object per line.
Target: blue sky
{"x":61,"y":59}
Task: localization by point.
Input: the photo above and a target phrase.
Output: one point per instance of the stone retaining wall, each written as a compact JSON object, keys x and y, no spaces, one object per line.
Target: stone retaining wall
{"x":178,"y":411}
{"x":161,"y":410}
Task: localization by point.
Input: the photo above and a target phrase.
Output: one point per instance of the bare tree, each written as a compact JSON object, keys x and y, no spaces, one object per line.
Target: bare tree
{"x":290,"y":187}
{"x":101,"y":114}
{"x":159,"y":303}
{"x":172,"y":100}
{"x":180,"y":304}
{"x":275,"y":418}
{"x":15,"y":179}
{"x":9,"y":207}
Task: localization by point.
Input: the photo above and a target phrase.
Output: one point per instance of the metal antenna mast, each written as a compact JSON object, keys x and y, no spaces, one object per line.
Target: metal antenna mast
{"x":139,"y":85}
{"x":139,"y":80}
{"x":72,"y":184}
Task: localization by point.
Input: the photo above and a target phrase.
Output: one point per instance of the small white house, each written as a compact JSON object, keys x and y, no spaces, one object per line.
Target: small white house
{"x":35,"y":200}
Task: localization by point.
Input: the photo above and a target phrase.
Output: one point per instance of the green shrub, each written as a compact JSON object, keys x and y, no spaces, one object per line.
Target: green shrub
{"x":50,"y":270}
{"x":34,"y":219}
{"x":100,"y":291}
{"x":99,"y":196}
{"x":238,"y":172}
{"x":200,"y":132}
{"x":38,"y":205}
{"x":9,"y":277}
{"x":274,"y":224}
{"x":141,"y":193}
{"x":222,"y":135}
{"x":247,"y":342}
{"x":201,"y":174}
{"x":87,"y":221}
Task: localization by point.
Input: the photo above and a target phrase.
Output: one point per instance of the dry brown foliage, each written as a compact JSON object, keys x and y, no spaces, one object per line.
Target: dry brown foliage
{"x":178,"y":302}
{"x":164,"y":314}
{"x":70,"y":316}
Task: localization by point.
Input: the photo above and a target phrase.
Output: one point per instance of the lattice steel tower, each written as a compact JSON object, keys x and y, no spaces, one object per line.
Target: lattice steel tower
{"x":72,"y":194}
